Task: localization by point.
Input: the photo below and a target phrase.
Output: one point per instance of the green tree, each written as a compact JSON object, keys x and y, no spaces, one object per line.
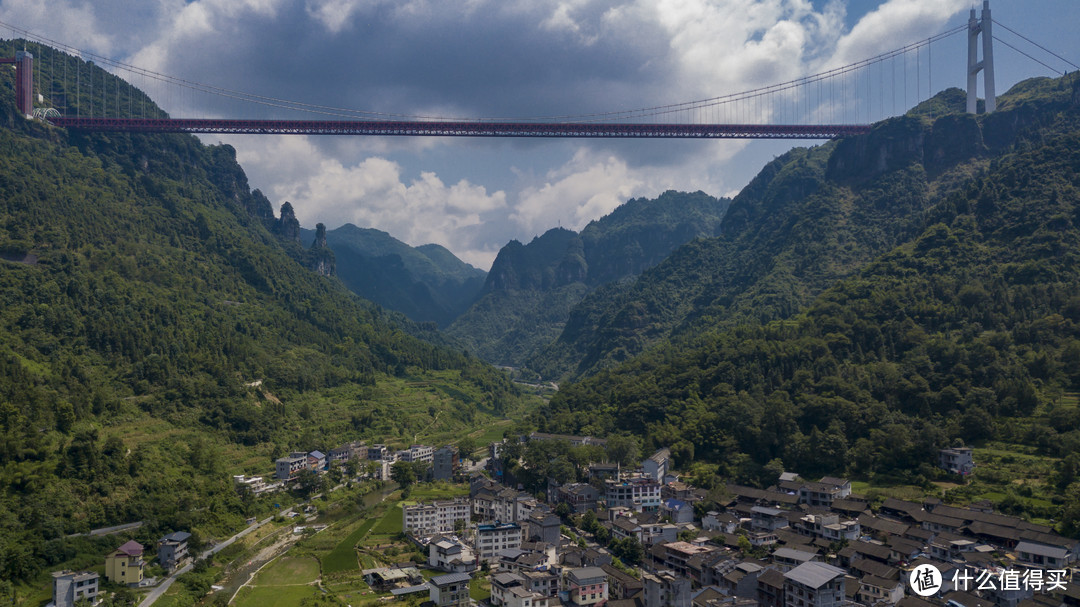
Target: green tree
{"x":403,"y":473}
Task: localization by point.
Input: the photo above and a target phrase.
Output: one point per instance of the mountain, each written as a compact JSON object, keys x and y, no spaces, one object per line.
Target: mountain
{"x":809,"y":218}
{"x":532,"y":287}
{"x":922,"y":291}
{"x":426,"y":283}
{"x":160,"y":330}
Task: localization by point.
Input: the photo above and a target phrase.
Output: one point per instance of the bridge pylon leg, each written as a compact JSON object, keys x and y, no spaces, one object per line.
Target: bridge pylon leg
{"x":983,"y":26}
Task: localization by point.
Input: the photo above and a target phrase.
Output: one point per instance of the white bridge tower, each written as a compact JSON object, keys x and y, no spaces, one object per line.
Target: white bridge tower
{"x":982,"y":26}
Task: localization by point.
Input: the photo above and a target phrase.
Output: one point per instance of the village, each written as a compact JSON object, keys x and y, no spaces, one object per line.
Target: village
{"x":638,"y":536}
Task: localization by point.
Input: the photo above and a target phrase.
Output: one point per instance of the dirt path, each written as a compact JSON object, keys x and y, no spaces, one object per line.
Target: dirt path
{"x":241,"y":576}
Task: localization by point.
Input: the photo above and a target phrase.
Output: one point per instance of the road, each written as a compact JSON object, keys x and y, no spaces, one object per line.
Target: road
{"x":156,"y":593}
{"x":110,"y":530}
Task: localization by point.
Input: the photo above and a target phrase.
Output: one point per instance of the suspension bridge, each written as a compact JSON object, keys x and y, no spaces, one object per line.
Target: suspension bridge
{"x":64,"y":89}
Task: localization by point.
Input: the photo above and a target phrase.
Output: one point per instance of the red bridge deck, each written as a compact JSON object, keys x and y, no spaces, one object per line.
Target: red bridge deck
{"x":462,"y":129}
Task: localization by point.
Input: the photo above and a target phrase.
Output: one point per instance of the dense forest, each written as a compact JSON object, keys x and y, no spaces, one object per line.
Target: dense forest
{"x":144,"y":291}
{"x":963,"y":326}
{"x":426,"y":283}
{"x":532,"y":288}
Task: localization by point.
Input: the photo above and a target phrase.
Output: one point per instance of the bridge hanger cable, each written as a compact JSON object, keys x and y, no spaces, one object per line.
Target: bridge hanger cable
{"x":653,"y":111}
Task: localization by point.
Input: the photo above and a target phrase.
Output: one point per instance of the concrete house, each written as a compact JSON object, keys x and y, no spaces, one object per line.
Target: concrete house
{"x":586,"y":586}
{"x":957,"y":460}
{"x":286,"y":468}
{"x":657,"y":465}
{"x":125,"y":564}
{"x":173,"y":549}
{"x":814,"y":584}
{"x":70,"y":587}
{"x":445,"y":462}
{"x":450,"y":590}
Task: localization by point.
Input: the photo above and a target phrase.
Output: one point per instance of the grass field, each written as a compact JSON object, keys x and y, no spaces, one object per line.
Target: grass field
{"x":343,"y":556}
{"x":273,"y":596}
{"x":288,"y":571}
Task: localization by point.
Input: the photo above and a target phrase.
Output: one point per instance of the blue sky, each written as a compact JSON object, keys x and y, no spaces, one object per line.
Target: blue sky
{"x":511,"y":58}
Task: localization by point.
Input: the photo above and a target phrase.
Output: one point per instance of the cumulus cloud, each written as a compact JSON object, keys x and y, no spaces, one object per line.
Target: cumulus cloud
{"x":373,"y":193}
{"x":482,"y":58}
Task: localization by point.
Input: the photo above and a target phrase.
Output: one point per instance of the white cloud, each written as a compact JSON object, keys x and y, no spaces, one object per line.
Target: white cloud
{"x":373,"y":193}
{"x":73,"y":24}
{"x":587,"y":187}
{"x":893,"y":25}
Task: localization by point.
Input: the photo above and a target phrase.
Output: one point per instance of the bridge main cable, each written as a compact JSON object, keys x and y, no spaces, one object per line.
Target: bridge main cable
{"x":461,"y":128}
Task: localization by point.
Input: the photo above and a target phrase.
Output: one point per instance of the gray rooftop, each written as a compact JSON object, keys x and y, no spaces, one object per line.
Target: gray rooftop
{"x":450,"y":578}
{"x":814,"y":574}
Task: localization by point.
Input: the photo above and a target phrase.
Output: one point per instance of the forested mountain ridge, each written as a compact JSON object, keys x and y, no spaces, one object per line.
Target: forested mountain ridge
{"x":531,"y":288}
{"x":426,"y":283}
{"x":969,"y":329}
{"x":809,"y":218}
{"x":157,"y":319}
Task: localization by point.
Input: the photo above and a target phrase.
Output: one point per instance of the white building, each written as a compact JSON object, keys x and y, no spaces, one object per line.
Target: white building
{"x":639,"y":494}
{"x":289,"y":466}
{"x":450,"y":555}
{"x":69,"y":587}
{"x":494,"y":537}
{"x":656,"y":467}
{"x":417,"y":453}
{"x":443,"y":516}
{"x":957,"y":460}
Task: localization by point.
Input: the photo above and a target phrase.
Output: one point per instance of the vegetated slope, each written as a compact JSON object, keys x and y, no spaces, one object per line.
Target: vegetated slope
{"x":531,"y":288}
{"x":809,"y":218}
{"x":961,"y":332}
{"x":142,"y":286}
{"x":426,"y":283}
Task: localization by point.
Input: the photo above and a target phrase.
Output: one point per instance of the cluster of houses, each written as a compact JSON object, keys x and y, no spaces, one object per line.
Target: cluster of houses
{"x":124,"y":566}
{"x":445,"y":461}
{"x":798,"y":543}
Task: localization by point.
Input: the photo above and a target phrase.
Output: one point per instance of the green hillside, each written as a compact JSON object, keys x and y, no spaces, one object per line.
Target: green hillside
{"x":160,"y":329}
{"x":531,"y":288}
{"x":923,"y":290}
{"x":426,"y":283}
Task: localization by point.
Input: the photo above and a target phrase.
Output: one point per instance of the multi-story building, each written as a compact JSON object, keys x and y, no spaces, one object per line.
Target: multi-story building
{"x":450,"y":555}
{"x":586,"y":586}
{"x":814,"y":584}
{"x":125,"y":564}
{"x":443,"y":516}
{"x":677,"y":556}
{"x":543,"y":526}
{"x":286,"y":468}
{"x":379,"y":452}
{"x":353,"y":450}
{"x":581,"y":497}
{"x":417,"y":453}
{"x":665,"y":589}
{"x":445,"y":462}
{"x":957,"y":460}
{"x":512,"y":590}
{"x":70,"y":587}
{"x":494,"y":537}
{"x":173,"y":549}
{"x":656,"y":467}
{"x":829,"y":527}
{"x":822,"y":493}
{"x":641,"y":494}
{"x":450,"y":590}
{"x":316,"y":461}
